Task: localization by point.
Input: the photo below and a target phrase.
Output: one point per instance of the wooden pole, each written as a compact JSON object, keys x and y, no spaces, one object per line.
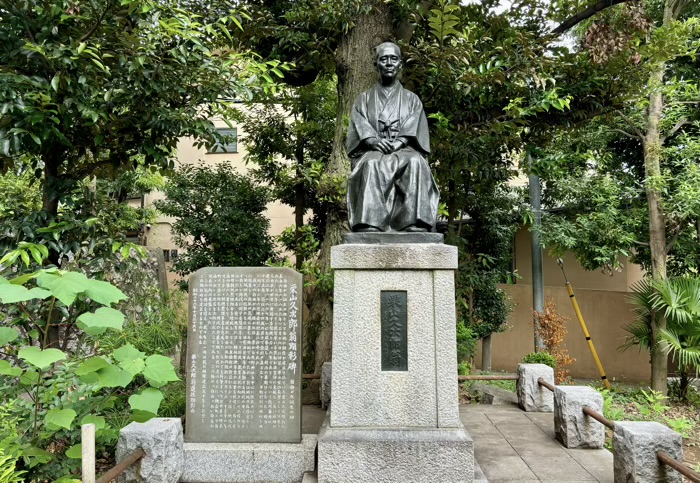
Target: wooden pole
{"x":87,"y":439}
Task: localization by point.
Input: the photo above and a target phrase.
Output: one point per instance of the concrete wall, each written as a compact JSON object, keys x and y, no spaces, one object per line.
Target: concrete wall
{"x":605,"y":313}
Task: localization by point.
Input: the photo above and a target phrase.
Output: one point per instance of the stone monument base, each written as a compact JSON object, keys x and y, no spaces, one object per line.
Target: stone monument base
{"x":249,"y":462}
{"x":352,"y":455}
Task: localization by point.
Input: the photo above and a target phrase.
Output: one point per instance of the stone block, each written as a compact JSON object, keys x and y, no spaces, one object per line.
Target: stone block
{"x":352,"y":455}
{"x":398,"y":256}
{"x":326,"y":375}
{"x":635,"y":445}
{"x":571,"y":426}
{"x":249,"y":462}
{"x":494,"y":395}
{"x":531,"y":396}
{"x":162,"y":441}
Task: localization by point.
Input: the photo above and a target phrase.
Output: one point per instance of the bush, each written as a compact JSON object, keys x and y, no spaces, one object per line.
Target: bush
{"x":540,"y":358}
{"x":220,"y":221}
{"x":552,"y":329}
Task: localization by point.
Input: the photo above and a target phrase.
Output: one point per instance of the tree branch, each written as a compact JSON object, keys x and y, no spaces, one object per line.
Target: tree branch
{"x":675,"y":129}
{"x":585,"y":14}
{"x":93,"y":29}
{"x":633,"y":136}
{"x":639,"y":133}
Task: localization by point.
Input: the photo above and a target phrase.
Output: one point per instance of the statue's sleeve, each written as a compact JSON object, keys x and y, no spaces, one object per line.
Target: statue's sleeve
{"x":415,"y":124}
{"x":361,"y":127}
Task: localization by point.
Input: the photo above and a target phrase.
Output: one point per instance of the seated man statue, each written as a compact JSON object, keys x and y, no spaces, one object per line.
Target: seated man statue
{"x":391,"y":187}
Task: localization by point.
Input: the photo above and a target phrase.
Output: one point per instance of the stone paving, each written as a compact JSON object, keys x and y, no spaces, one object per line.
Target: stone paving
{"x":511,"y":445}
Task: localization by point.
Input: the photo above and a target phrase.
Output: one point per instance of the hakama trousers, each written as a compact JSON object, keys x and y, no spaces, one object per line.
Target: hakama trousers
{"x":392,"y":191}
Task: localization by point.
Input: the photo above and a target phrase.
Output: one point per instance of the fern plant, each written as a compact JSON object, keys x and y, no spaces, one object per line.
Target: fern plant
{"x":8,"y":471}
{"x":678,"y":300}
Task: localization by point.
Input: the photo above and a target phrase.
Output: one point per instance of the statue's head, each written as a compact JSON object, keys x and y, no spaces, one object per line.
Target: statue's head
{"x":387,"y":59}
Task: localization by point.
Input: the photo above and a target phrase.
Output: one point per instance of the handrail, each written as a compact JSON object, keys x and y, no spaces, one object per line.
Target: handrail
{"x":495,"y":377}
{"x":598,"y":417}
{"x":122,"y":466}
{"x":544,"y":383}
{"x":679,"y":467}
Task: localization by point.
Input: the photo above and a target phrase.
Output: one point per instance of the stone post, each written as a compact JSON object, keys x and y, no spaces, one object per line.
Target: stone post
{"x":572,"y":427}
{"x":635,"y":444}
{"x":162,"y":440}
{"x":326,"y":373}
{"x":531,"y":396}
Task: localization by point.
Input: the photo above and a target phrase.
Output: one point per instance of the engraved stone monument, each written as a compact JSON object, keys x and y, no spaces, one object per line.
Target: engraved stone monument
{"x":394,"y":414}
{"x":244,"y":377}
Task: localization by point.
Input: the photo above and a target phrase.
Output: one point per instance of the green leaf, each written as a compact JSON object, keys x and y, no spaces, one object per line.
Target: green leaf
{"x":65,"y":286}
{"x":142,"y":416}
{"x":127,"y":352}
{"x":22,"y":279}
{"x":55,"y":81}
{"x":75,"y":452}
{"x":41,"y":358}
{"x":11,"y":293}
{"x":7,"y":335}
{"x":159,"y":370}
{"x":96,"y":323}
{"x":6,"y":369}
{"x":112,"y":376}
{"x":104,"y":292}
{"x":98,"y":421}
{"x":59,"y":418}
{"x":29,"y":378}
{"x":147,"y":400}
{"x":91,"y":365}
{"x":134,"y":366}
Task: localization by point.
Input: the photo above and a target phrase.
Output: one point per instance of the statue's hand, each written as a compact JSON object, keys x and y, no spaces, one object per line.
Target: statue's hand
{"x":396,"y":145}
{"x":381,"y":145}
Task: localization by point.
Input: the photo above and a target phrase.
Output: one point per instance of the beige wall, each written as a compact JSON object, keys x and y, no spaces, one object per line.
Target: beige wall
{"x":605,"y":313}
{"x":579,"y":278}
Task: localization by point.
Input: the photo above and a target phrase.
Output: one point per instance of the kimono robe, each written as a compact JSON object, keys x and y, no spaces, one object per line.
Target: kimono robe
{"x":390,"y":191}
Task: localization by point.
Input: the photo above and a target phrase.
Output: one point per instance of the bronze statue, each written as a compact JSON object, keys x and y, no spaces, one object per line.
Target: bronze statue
{"x":391,"y":187}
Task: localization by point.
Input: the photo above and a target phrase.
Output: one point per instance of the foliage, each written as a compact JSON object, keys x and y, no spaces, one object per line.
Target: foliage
{"x":541,"y":357}
{"x":219,"y":219}
{"x":8,"y":472}
{"x":89,"y":89}
{"x":47,"y":392}
{"x":678,"y":300}
{"x":552,"y":329}
{"x":466,"y":343}
{"x":464,"y":368}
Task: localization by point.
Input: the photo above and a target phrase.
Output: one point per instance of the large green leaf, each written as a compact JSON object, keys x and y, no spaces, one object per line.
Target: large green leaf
{"x":7,"y":335}
{"x":98,"y":421}
{"x":65,"y":286}
{"x":104,"y":292}
{"x":11,"y":294}
{"x":29,"y":378}
{"x":112,"y":376}
{"x":91,"y":365}
{"x":7,"y":369}
{"x":41,"y":358}
{"x":59,"y":418}
{"x":147,"y":400}
{"x":127,"y":352}
{"x":96,"y":323}
{"x":159,"y":370}
{"x":134,"y":366}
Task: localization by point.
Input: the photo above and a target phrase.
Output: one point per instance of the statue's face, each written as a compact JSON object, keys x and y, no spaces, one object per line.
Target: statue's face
{"x":389,"y":62}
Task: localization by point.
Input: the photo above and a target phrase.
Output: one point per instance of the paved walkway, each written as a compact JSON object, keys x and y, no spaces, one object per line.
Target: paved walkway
{"x":512,"y":446}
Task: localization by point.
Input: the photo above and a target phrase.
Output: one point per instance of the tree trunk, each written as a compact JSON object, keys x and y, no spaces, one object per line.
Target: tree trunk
{"x":50,"y":205}
{"x":486,"y":353}
{"x":299,"y":207}
{"x":657,"y":220}
{"x":356,"y":73}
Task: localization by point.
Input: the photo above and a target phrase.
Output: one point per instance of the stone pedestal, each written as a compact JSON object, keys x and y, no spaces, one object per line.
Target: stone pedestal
{"x":571,"y":426}
{"x":394,"y":415}
{"x":635,"y":444}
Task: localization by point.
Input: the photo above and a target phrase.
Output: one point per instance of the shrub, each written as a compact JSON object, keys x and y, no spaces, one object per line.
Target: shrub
{"x":552,"y":329}
{"x":540,"y":358}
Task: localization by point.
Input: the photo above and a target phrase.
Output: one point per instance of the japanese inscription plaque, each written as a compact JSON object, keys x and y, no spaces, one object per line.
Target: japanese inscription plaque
{"x":244,"y":356}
